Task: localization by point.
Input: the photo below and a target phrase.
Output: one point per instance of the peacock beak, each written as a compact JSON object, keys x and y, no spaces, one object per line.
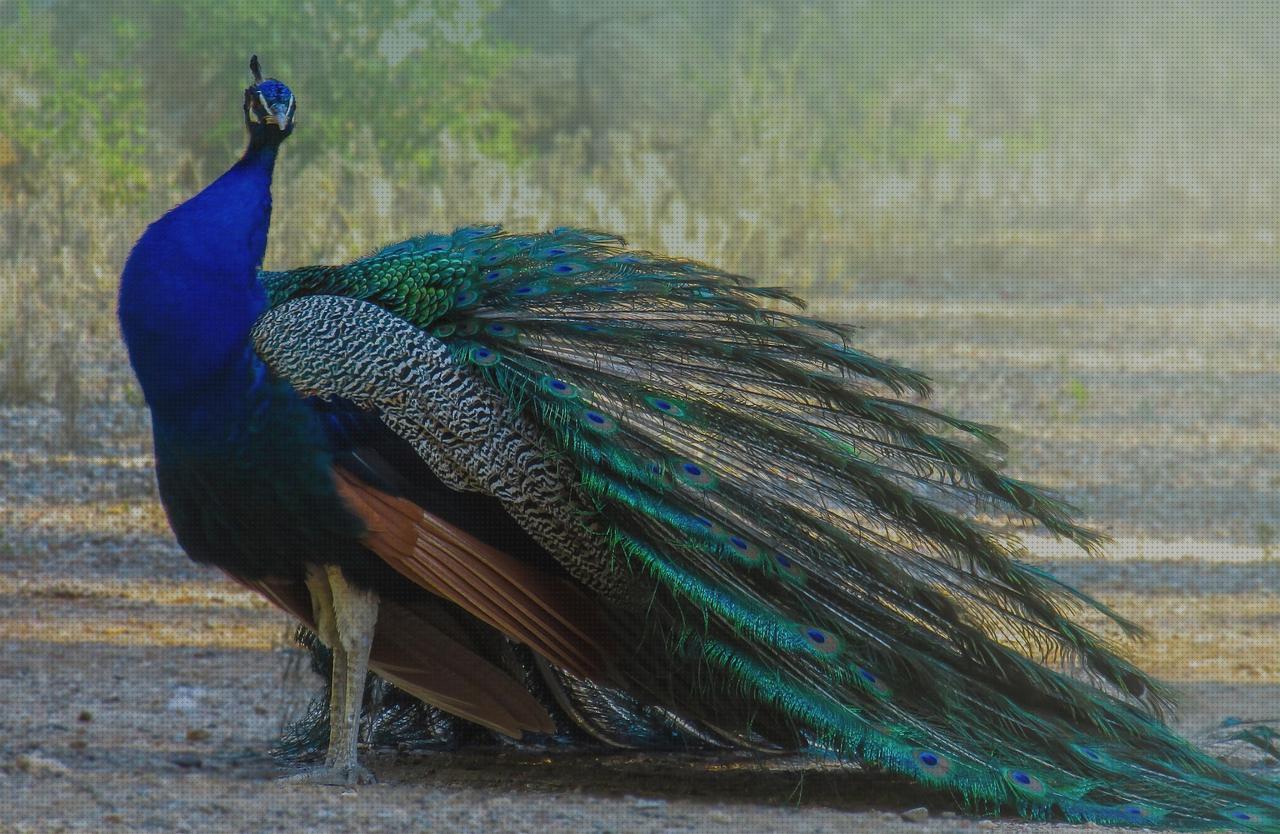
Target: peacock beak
{"x":280,"y":114}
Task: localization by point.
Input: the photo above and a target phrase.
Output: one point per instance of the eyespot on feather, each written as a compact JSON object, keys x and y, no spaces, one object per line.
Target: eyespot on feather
{"x":598,"y":422}
{"x":747,"y":551}
{"x":485,"y":357}
{"x":694,"y":474}
{"x":1251,"y":818}
{"x":1136,"y":812}
{"x":821,"y":641}
{"x":555,"y":250}
{"x":706,"y":525}
{"x":502,"y":331}
{"x":531,"y":290}
{"x":566,"y":268}
{"x":873,"y":682}
{"x":655,"y":470}
{"x":788,"y":567}
{"x":1024,"y":782}
{"x":559,"y":388}
{"x":931,"y":763}
{"x":666,"y":406}
{"x":1089,"y":753}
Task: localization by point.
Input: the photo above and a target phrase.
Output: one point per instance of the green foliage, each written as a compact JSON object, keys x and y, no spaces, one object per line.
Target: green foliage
{"x":96,"y":79}
{"x":62,"y":113}
{"x":400,"y":72}
{"x":1079,"y":393}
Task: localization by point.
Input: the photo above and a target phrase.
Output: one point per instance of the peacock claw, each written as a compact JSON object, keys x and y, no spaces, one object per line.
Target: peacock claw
{"x":344,"y":775}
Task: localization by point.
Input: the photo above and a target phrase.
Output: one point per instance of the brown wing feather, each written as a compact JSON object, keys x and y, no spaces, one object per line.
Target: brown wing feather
{"x":420,"y":658}
{"x":544,"y":611}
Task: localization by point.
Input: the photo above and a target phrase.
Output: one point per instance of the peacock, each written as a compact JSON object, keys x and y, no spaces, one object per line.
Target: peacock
{"x":682,"y":505}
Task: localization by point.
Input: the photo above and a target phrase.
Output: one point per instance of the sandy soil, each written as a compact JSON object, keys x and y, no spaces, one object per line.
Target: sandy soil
{"x":143,"y":692}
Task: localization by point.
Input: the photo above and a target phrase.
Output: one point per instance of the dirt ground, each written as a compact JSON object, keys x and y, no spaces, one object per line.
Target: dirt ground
{"x":142,"y":692}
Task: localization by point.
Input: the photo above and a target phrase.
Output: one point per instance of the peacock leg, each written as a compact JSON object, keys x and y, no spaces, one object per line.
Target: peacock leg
{"x":356,"y":612}
{"x":327,"y":631}
{"x":345,"y":619}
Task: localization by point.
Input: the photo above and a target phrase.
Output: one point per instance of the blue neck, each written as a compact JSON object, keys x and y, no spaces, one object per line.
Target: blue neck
{"x":190,"y":294}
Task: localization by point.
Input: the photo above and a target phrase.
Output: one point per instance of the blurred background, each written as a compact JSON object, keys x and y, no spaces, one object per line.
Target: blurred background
{"x":1051,"y":206}
{"x":1066,"y":211}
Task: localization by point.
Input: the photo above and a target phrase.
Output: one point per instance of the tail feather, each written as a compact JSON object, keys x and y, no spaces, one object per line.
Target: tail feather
{"x":840,"y":557}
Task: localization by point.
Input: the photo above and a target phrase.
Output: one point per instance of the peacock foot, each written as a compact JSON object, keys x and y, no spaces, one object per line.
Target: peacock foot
{"x":328,"y":774}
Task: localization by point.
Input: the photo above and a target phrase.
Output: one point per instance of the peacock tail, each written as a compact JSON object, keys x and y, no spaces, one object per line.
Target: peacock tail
{"x":792,"y":549}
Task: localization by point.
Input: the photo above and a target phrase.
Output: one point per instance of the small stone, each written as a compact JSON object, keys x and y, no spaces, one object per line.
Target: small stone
{"x":77,"y":744}
{"x":986,"y":824}
{"x":916,"y":814}
{"x":187,"y":760}
{"x":258,"y":709}
{"x":113,"y":819}
{"x":84,"y":717}
{"x":38,"y":765}
{"x":197,"y":734}
{"x":185,"y":698}
{"x":948,"y":815}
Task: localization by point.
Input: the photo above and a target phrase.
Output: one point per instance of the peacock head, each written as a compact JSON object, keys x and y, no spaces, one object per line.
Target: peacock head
{"x":269,"y":106}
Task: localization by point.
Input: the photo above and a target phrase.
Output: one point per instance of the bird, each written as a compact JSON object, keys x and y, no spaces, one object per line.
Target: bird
{"x":681,"y":503}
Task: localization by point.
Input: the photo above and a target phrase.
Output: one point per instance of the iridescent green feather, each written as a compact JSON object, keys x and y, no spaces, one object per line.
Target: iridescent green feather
{"x":817,"y":543}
